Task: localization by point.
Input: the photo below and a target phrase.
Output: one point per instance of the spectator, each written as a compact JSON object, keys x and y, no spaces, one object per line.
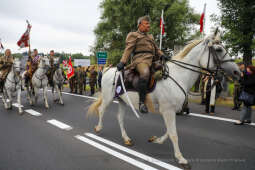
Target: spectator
{"x":248,"y":83}
{"x":99,"y":77}
{"x":92,"y":80}
{"x":237,"y":89}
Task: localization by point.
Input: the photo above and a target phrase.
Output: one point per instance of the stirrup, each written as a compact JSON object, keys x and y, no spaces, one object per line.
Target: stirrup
{"x":143,"y":108}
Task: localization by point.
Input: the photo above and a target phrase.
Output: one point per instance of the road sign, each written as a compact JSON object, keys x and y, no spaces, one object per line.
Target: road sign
{"x":101,"y":57}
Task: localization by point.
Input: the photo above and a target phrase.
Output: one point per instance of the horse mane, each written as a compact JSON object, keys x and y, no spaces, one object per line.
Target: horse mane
{"x":186,"y":49}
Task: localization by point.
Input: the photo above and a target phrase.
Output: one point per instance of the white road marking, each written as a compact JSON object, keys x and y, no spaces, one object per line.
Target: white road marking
{"x":17,"y":105}
{"x":115,"y":153}
{"x":216,"y":118}
{"x":33,"y":112}
{"x":59,"y":124}
{"x":191,"y":114}
{"x":89,"y":97}
{"x":132,"y":152}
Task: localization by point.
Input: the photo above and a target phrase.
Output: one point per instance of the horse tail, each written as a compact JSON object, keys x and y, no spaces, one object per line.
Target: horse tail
{"x":93,"y":108}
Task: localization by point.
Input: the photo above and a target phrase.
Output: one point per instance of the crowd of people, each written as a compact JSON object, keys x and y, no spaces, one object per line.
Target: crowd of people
{"x":83,"y":76}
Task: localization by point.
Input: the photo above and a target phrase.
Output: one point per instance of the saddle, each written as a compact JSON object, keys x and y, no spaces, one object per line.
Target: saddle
{"x":131,"y":79}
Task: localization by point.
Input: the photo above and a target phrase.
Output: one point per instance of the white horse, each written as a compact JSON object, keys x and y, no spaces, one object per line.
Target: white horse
{"x":13,"y":84}
{"x":39,"y":80}
{"x":167,"y":95}
{"x":58,"y":80}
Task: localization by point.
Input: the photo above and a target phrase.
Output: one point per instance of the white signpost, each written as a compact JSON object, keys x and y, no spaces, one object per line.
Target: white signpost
{"x":81,"y":62}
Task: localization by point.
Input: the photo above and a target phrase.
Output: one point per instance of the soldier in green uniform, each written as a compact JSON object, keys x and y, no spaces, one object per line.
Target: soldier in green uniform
{"x":92,"y":79}
{"x":80,"y":79}
{"x":72,"y":82}
{"x":145,"y":51}
{"x":6,"y":62}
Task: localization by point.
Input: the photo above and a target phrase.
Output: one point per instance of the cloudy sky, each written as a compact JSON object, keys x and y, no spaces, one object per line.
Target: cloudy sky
{"x":62,"y":25}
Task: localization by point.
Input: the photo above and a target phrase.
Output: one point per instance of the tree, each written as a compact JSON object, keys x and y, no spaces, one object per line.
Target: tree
{"x":238,"y":18}
{"x":119,"y":17}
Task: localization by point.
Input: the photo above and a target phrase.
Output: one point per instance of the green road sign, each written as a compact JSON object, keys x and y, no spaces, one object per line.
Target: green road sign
{"x":101,"y":57}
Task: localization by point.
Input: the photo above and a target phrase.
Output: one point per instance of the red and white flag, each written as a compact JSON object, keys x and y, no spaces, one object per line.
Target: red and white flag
{"x":65,"y":63}
{"x":1,"y":45}
{"x":162,"y":23}
{"x":70,"y":71}
{"x":24,"y":40}
{"x":202,"y":20}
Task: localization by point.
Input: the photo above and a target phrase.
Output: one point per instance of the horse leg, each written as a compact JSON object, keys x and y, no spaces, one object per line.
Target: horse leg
{"x":4,"y":98}
{"x":35,"y":95}
{"x":59,"y":94}
{"x":159,"y":140}
{"x":19,"y":101}
{"x":45,"y":97}
{"x":120,"y":117}
{"x":9,"y":104}
{"x":101,"y":110}
{"x":170,"y":122}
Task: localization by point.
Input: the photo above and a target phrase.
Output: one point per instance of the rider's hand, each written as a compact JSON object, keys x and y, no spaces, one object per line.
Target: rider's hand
{"x":120,"y":66}
{"x":167,"y":58}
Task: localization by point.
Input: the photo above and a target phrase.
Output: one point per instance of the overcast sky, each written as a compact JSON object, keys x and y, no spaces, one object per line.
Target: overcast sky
{"x":62,"y":25}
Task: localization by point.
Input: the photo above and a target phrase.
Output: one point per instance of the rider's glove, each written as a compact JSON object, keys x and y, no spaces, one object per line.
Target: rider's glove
{"x":166,"y":58}
{"x":120,"y":66}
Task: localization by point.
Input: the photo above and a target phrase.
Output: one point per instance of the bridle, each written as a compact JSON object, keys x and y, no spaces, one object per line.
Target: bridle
{"x":204,"y":71}
{"x":43,"y":74}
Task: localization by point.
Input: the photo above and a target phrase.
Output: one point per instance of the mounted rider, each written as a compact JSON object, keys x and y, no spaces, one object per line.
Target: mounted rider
{"x":6,"y":62}
{"x":31,"y":65}
{"x":54,"y":64}
{"x":144,"y":51}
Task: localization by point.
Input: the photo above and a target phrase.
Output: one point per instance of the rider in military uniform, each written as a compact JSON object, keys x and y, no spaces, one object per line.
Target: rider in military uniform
{"x":6,"y":62}
{"x":32,"y":65}
{"x":53,"y":66}
{"x":144,"y":50}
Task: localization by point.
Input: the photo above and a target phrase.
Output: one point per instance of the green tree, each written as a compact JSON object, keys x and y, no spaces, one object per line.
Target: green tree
{"x":238,"y":19}
{"x":119,"y":17}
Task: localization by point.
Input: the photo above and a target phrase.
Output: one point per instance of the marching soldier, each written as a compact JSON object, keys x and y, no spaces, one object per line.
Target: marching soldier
{"x":85,"y":78}
{"x":6,"y":62}
{"x":80,"y":79}
{"x":31,"y":66}
{"x":92,"y":80}
{"x":145,"y":51}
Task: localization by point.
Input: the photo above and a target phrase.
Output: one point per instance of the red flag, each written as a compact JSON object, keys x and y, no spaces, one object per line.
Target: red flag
{"x":24,"y":40}
{"x":162,"y":23}
{"x":70,"y":71}
{"x":202,"y":20}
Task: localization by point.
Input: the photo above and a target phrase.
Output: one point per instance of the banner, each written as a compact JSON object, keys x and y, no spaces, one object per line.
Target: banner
{"x":24,"y":40}
{"x":70,"y":71}
{"x":81,"y":62}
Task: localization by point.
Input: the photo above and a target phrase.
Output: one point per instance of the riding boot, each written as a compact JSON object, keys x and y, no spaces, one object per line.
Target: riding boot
{"x":142,"y":87}
{"x":1,"y":85}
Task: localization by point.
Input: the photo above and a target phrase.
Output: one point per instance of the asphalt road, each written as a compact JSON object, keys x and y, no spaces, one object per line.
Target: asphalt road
{"x":31,"y":142}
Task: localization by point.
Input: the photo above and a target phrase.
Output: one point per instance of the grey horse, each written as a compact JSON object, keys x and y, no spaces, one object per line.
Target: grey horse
{"x":13,"y":84}
{"x":39,"y":80}
{"x":58,"y":80}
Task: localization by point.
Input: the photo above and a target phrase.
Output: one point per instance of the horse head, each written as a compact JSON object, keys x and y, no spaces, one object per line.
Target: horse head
{"x":16,"y":67}
{"x":215,"y":56}
{"x":43,"y":62}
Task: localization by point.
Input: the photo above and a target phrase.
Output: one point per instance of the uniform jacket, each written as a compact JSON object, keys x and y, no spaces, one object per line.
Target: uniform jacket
{"x":143,"y":48}
{"x":248,"y":83}
{"x":5,"y":65}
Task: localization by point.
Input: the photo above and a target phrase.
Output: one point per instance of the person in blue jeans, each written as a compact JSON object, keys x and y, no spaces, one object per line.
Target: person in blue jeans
{"x":248,"y":83}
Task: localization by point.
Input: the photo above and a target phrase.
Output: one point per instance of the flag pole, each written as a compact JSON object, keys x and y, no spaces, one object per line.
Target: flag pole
{"x":203,"y":33}
{"x":161,"y":30}
{"x":29,"y":49}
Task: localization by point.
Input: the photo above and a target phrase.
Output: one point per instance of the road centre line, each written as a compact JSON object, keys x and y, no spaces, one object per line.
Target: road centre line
{"x":115,"y":153}
{"x":33,"y":112}
{"x":191,"y":114}
{"x":132,"y":152}
{"x":216,"y":118}
{"x":59,"y":124}
{"x":17,"y":105}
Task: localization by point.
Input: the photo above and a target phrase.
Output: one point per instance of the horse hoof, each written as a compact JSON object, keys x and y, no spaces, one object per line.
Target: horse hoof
{"x":152,"y":139}
{"x":97,"y":130}
{"x":21,"y":113}
{"x":129,"y":143}
{"x":186,"y":166}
